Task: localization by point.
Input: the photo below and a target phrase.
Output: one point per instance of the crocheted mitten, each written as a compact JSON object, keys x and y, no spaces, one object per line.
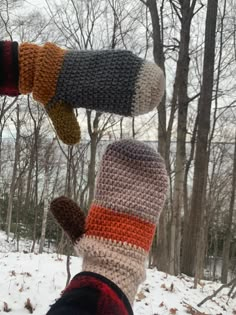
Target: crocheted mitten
{"x":130,"y":193}
{"x":114,"y":81}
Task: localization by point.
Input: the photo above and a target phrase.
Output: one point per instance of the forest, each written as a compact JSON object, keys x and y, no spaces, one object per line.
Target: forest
{"x":194,"y":127}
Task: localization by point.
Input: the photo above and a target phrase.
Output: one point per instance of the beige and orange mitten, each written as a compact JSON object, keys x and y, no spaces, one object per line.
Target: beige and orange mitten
{"x":130,"y":193}
{"x":110,"y":81}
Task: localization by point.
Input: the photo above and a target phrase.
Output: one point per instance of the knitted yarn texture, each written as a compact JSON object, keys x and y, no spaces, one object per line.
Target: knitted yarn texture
{"x":69,"y":215}
{"x":130,"y":194}
{"x":114,"y":81}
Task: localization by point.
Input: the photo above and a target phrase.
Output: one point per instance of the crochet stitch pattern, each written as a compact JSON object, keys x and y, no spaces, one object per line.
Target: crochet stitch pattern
{"x":130,"y":194}
{"x":113,"y":81}
{"x":69,"y":216}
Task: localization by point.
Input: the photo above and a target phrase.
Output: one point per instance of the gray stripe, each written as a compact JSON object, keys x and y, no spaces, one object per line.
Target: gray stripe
{"x":101,"y":80}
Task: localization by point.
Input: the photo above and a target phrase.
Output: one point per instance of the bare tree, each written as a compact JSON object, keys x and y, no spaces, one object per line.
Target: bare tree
{"x":37,"y":124}
{"x":48,"y":162}
{"x":228,"y":238}
{"x":193,"y":248}
{"x":5,"y":112}
{"x":159,"y":251}
{"x":14,"y":173}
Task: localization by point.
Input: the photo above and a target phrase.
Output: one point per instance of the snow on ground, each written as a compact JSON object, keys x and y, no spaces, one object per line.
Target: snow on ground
{"x":41,"y":278}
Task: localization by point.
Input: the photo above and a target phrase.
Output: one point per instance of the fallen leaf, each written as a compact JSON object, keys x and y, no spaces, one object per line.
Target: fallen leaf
{"x":26,"y":274}
{"x":29,"y":306}
{"x":140,"y":296}
{"x":5,"y":307}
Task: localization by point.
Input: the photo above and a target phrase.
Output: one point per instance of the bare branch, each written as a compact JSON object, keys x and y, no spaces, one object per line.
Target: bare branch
{"x":144,"y":2}
{"x":176,"y":9}
{"x":227,"y":285}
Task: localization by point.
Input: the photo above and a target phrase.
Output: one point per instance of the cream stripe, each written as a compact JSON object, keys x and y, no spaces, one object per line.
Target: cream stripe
{"x":149,"y":89}
{"x":132,"y":251}
{"x":119,"y":262}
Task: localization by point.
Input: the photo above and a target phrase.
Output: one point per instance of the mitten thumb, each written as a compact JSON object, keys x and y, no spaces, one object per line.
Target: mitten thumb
{"x":69,"y":216}
{"x":38,"y":66}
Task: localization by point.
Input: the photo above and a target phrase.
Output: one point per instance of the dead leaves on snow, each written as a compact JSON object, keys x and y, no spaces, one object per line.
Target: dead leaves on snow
{"x":28,"y":306}
{"x":6,"y":307}
{"x":140,"y":296}
{"x":170,"y":289}
{"x":12,"y":273}
{"x":172,"y":311}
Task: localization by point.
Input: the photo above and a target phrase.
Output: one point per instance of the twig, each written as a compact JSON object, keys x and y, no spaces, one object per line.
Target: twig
{"x":144,"y":2}
{"x":231,"y":290}
{"x":68,"y":269}
{"x":193,"y":310}
{"x":232,"y":282}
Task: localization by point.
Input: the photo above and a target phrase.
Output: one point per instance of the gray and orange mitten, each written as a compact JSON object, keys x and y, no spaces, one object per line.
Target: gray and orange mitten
{"x":112,"y":81}
{"x":130,"y":192}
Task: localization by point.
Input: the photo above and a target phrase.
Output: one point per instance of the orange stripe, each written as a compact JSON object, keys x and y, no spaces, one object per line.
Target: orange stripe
{"x":27,"y":58}
{"x":40,"y":67}
{"x":107,"y":223}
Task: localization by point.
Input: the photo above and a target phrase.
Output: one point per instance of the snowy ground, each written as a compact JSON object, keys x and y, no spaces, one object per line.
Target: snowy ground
{"x":41,"y":278}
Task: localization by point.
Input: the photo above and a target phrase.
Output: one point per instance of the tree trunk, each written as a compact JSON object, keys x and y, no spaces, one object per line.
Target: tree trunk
{"x":46,"y":204}
{"x":4,"y":108}
{"x":181,"y":83}
{"x":93,"y":133}
{"x":18,"y":210}
{"x":14,"y":174}
{"x":37,"y":126}
{"x":159,"y":252}
{"x":215,"y":255}
{"x":190,"y":259}
{"x":228,"y":238}
{"x":29,"y":177}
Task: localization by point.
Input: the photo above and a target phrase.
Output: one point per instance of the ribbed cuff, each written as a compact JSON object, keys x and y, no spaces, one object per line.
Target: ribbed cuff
{"x":9,"y":68}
